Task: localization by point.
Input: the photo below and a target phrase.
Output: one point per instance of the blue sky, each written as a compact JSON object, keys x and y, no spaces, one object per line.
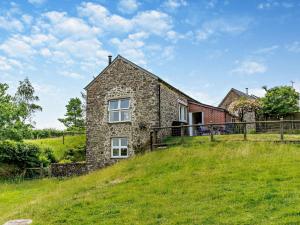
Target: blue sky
{"x":201,"y":47}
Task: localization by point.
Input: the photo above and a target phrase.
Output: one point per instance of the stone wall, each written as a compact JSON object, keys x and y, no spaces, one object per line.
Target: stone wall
{"x":120,"y":80}
{"x":169,"y":105}
{"x":231,"y":97}
{"x":68,"y":169}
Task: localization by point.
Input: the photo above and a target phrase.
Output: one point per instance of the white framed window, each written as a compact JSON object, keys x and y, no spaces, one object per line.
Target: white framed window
{"x":119,"y":147}
{"x":182,"y":113}
{"x":118,"y":110}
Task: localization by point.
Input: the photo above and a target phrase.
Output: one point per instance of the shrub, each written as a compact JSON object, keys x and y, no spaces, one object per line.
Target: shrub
{"x":76,"y":154}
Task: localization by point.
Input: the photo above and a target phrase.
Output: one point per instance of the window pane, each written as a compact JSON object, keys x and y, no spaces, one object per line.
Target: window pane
{"x":124,"y":142}
{"x":115,"y":152}
{"x":123,"y":151}
{"x":113,"y":104}
{"x":125,"y":115}
{"x":115,"y":142}
{"x":114,"y":116}
{"x":125,"y":104}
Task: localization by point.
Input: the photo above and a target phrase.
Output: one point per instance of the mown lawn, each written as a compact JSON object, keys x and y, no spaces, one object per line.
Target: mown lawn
{"x":56,"y":144}
{"x":194,"y":183}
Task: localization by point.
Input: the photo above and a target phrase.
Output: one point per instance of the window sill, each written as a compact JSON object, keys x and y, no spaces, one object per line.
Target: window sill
{"x":109,"y":122}
{"x":119,"y":157}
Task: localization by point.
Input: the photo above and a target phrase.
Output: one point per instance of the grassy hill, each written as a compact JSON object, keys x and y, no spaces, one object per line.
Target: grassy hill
{"x":56,"y":144}
{"x":207,"y":183}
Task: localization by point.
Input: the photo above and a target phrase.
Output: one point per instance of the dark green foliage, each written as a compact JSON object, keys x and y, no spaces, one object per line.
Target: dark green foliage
{"x":16,"y":112}
{"x":19,"y":154}
{"x":26,"y":99}
{"x":280,"y":101}
{"x":76,"y":154}
{"x":44,"y":133}
{"x":74,"y":117}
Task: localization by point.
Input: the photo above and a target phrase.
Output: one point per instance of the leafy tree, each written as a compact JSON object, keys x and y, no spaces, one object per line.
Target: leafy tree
{"x":74,"y":117}
{"x":242,"y":106}
{"x":26,"y":99}
{"x":11,"y":127}
{"x":280,"y":101}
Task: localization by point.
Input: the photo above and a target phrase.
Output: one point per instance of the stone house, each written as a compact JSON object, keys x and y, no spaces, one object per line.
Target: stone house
{"x":234,"y":95}
{"x":124,"y":101}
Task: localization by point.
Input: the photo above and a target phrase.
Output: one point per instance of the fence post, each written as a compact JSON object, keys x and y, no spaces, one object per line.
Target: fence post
{"x":281,"y":129}
{"x":151,"y":140}
{"x":211,"y":128}
{"x":154,"y":138}
{"x":245,"y":132}
{"x":181,"y":133}
{"x":41,"y":171}
{"x":63,"y":138}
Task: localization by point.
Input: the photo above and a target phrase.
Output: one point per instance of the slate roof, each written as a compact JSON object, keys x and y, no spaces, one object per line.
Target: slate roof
{"x":190,"y":99}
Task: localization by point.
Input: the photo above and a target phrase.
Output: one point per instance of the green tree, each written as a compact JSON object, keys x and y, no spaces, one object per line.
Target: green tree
{"x":244,"y":105}
{"x":25,"y":98}
{"x":280,"y":101}
{"x":74,"y":116}
{"x":11,"y":126}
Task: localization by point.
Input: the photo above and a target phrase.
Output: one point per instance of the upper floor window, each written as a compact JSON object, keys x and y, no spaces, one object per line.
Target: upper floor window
{"x":119,"y":110}
{"x":182,"y":113}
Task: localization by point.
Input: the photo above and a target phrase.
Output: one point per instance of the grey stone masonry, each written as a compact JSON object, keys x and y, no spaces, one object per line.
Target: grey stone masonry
{"x":152,"y":103}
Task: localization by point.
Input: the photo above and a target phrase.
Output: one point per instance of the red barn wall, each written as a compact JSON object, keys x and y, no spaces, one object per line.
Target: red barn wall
{"x":211,"y":114}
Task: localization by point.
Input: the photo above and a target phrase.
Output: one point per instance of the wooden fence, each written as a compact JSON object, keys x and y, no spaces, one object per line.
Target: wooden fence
{"x":276,"y":131}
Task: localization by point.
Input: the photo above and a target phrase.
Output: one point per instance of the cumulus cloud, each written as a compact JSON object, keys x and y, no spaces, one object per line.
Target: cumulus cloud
{"x":17,"y":47}
{"x":59,"y":23}
{"x":11,"y":24}
{"x":37,"y":2}
{"x":219,"y":27}
{"x":7,"y":64}
{"x":152,"y":21}
{"x":128,"y":6}
{"x":174,"y":4}
{"x":249,"y":67}
{"x":269,"y":4}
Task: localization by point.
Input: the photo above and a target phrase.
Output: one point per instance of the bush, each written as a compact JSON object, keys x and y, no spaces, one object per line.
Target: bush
{"x":44,"y":133}
{"x":76,"y":154}
{"x":24,"y":155}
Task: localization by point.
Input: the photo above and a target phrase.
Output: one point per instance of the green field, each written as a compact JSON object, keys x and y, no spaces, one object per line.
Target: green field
{"x":56,"y":144}
{"x":198,"y":182}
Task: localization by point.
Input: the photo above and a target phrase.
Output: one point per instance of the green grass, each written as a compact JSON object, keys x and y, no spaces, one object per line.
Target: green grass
{"x":56,"y":144}
{"x":198,"y":182}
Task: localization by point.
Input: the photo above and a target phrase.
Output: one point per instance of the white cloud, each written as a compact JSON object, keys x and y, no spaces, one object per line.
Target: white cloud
{"x":128,"y":6}
{"x":259,"y":92}
{"x":211,"y":4}
{"x":62,"y":25}
{"x":294,"y":47}
{"x":7,"y":64}
{"x":38,"y":2}
{"x":219,"y":27}
{"x":174,"y":4}
{"x":15,"y":46}
{"x":269,"y":4}
{"x":71,"y":74}
{"x":249,"y":67}
{"x":131,"y":47}
{"x":153,"y":21}
{"x":267,"y":50}
{"x":27,"y":19}
{"x":11,"y":24}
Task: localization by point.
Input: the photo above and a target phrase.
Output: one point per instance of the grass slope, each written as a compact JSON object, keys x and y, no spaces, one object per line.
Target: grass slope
{"x":207,"y":183}
{"x":56,"y":144}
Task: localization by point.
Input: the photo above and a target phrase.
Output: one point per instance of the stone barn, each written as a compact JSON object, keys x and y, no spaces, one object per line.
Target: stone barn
{"x":124,"y":101}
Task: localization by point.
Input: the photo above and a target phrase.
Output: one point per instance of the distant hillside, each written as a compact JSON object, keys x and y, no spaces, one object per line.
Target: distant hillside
{"x":207,"y":183}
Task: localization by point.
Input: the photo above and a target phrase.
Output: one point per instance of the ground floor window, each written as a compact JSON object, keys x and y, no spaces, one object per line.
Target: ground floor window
{"x":119,"y":147}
